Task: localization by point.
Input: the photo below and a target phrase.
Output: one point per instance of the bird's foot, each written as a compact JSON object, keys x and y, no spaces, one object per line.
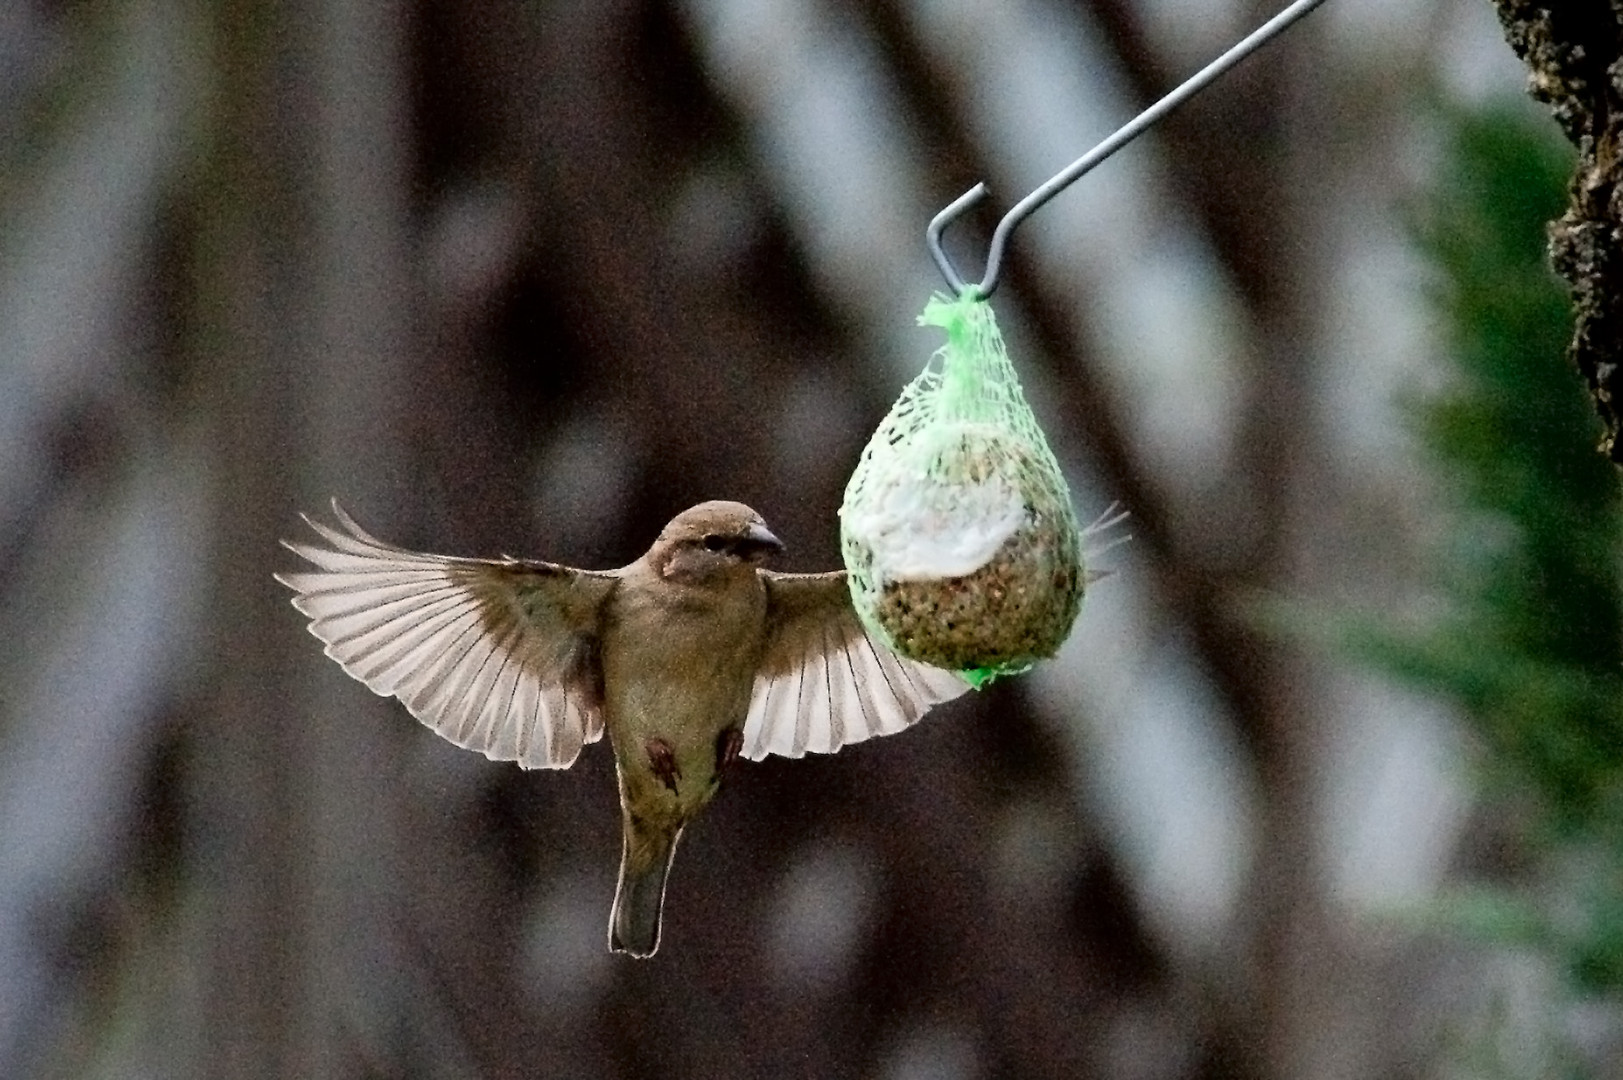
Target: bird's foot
{"x":663,"y":760}
{"x":728,"y":747}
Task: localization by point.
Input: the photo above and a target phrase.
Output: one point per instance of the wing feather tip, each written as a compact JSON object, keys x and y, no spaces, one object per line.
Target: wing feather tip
{"x":355,"y":573}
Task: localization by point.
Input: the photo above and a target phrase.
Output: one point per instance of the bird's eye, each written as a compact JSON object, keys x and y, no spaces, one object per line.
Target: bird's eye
{"x":714,"y":542}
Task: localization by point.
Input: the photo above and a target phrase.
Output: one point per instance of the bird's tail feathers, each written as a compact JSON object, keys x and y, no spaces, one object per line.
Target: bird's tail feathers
{"x":639,"y":898}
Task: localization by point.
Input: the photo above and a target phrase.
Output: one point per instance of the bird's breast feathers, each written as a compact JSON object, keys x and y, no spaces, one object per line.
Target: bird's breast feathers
{"x":681,"y":657}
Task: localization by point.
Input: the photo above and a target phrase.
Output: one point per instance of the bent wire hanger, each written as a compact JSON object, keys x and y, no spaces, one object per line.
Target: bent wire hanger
{"x":1124,"y":135}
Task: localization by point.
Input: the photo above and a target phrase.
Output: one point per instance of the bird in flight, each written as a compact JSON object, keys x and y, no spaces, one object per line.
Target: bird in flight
{"x":690,"y":657}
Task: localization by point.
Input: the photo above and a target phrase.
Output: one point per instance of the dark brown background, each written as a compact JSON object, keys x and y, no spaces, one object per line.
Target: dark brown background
{"x":531,"y":277}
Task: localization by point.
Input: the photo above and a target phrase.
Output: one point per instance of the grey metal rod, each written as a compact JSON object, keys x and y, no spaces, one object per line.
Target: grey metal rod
{"x":1067,"y":176}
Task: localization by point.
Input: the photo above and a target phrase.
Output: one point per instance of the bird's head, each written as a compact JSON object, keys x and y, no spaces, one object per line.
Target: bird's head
{"x":712,"y":539}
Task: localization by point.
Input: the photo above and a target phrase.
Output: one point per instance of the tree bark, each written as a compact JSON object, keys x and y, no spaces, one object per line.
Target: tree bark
{"x":1572,"y":50}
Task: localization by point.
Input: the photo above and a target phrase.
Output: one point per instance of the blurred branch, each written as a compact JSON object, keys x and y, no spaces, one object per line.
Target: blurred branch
{"x":676,"y":346}
{"x":1572,"y":51}
{"x":1212,"y":158}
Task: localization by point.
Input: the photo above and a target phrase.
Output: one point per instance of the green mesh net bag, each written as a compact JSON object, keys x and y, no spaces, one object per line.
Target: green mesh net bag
{"x":957,"y":528}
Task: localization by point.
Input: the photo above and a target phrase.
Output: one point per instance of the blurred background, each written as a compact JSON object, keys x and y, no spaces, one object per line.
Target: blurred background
{"x":1324,"y":785}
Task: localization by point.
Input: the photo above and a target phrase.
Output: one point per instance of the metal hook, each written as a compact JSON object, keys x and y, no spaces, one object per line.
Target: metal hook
{"x":1124,"y":135}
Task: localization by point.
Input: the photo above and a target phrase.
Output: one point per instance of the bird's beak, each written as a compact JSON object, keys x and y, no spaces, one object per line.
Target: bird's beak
{"x":759,"y":539}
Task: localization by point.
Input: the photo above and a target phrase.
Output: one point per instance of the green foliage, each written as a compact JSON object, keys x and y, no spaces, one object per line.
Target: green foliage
{"x":1534,"y":646}
{"x":1531,"y":643}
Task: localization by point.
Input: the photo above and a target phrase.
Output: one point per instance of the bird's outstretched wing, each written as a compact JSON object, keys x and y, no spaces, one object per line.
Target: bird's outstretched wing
{"x":824,"y":682}
{"x":499,"y":656}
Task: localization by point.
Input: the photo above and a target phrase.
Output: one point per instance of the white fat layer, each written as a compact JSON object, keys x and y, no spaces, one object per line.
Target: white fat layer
{"x":924,"y":528}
